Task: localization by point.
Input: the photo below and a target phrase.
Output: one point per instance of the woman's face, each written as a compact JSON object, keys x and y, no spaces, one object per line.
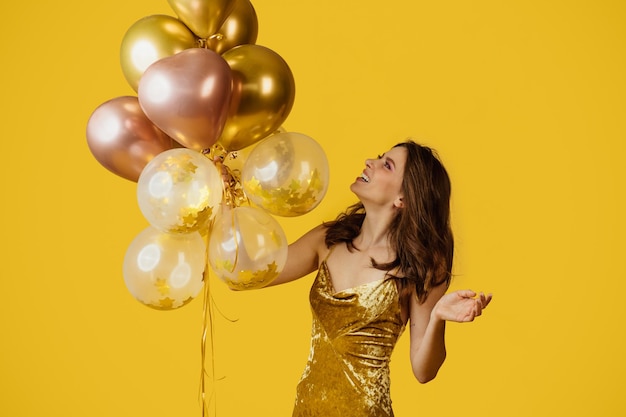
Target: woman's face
{"x":381,"y":180}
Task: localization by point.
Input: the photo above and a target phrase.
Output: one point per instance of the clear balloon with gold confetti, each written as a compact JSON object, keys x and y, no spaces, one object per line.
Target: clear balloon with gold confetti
{"x":179,"y":191}
{"x":286,"y":174}
{"x":247,"y":247}
{"x":165,"y":270}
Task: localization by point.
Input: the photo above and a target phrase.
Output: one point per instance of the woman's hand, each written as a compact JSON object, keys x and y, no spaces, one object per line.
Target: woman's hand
{"x":461,"y":306}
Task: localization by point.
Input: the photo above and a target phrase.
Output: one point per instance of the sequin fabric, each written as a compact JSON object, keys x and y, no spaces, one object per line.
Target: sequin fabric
{"x":353,"y":334}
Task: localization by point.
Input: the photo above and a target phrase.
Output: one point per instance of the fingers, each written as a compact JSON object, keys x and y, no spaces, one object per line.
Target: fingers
{"x":478,"y":307}
{"x":470,"y":304}
{"x":480,"y":303}
{"x":466,"y":293}
{"x":485,"y":299}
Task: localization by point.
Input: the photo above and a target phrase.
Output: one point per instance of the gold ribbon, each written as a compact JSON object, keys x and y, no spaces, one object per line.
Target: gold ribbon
{"x":233,"y":196}
{"x":207,"y":327}
{"x":208,"y":315}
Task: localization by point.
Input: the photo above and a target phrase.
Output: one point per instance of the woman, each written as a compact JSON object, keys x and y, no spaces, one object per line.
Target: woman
{"x":384,"y":263}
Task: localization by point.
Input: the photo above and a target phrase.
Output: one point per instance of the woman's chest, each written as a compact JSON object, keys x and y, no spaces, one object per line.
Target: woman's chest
{"x":349,"y":270}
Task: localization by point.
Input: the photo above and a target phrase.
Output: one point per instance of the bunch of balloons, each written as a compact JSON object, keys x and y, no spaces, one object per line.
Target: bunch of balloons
{"x":203,"y":140}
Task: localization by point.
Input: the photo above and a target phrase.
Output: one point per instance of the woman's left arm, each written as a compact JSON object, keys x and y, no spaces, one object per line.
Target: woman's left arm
{"x":428,"y":325}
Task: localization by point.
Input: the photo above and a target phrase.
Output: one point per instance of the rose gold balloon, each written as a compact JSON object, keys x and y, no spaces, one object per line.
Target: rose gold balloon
{"x":240,"y":27}
{"x":123,"y":139}
{"x":263,"y":95}
{"x":203,"y":17}
{"x":188,"y":96}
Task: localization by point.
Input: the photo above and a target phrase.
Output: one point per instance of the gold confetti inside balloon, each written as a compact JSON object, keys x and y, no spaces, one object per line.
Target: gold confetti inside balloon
{"x":163,"y":270}
{"x":179,"y":191}
{"x":247,"y":248}
{"x":286,"y":174}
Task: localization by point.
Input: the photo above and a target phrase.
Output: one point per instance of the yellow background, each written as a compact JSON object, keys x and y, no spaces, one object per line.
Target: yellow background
{"x":525,"y":101}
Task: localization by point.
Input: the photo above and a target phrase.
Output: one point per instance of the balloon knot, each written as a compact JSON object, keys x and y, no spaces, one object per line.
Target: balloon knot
{"x":205,"y":42}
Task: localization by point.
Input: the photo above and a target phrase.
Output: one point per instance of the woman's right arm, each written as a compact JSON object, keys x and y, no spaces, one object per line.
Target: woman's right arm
{"x":303,"y":256}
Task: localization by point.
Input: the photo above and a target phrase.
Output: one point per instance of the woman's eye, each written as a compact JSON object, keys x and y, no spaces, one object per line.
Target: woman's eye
{"x":386,"y":164}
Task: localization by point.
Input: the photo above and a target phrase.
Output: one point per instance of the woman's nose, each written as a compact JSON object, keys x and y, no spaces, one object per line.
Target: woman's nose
{"x":369,"y":162}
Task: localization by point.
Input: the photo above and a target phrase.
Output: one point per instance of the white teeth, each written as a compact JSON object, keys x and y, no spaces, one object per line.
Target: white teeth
{"x":365,"y":178}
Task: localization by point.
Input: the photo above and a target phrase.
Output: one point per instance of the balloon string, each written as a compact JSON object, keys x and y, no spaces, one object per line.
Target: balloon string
{"x":232,"y":189}
{"x":208,"y":314}
{"x":233,"y":196}
{"x":207,"y":326}
{"x":234,"y":230}
{"x":232,"y":192}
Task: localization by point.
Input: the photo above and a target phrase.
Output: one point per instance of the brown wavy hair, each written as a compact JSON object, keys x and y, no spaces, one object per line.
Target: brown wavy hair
{"x":420,"y":234}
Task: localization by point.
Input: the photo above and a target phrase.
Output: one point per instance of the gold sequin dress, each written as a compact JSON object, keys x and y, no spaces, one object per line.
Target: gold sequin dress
{"x":353,"y":334}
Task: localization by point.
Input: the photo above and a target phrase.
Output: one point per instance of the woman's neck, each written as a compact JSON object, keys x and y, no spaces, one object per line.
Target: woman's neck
{"x":374,"y":232}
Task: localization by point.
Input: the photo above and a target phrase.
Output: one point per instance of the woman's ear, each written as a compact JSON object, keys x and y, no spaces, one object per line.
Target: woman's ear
{"x":398,"y":203}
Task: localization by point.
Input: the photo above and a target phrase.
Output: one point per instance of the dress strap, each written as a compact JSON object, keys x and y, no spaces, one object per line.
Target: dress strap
{"x":329,"y":252}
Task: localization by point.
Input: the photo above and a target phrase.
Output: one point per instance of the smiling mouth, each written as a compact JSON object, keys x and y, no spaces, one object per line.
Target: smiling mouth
{"x":364,"y":177}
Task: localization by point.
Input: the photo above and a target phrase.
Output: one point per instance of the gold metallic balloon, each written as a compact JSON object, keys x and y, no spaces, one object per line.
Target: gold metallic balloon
{"x":203,"y":17}
{"x":263,"y":95}
{"x":240,"y":27}
{"x":123,"y":139}
{"x":165,"y":271}
{"x":150,"y":39}
{"x":187,"y":96}
{"x":179,"y":191}
{"x":247,"y":247}
{"x":286,"y":174}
